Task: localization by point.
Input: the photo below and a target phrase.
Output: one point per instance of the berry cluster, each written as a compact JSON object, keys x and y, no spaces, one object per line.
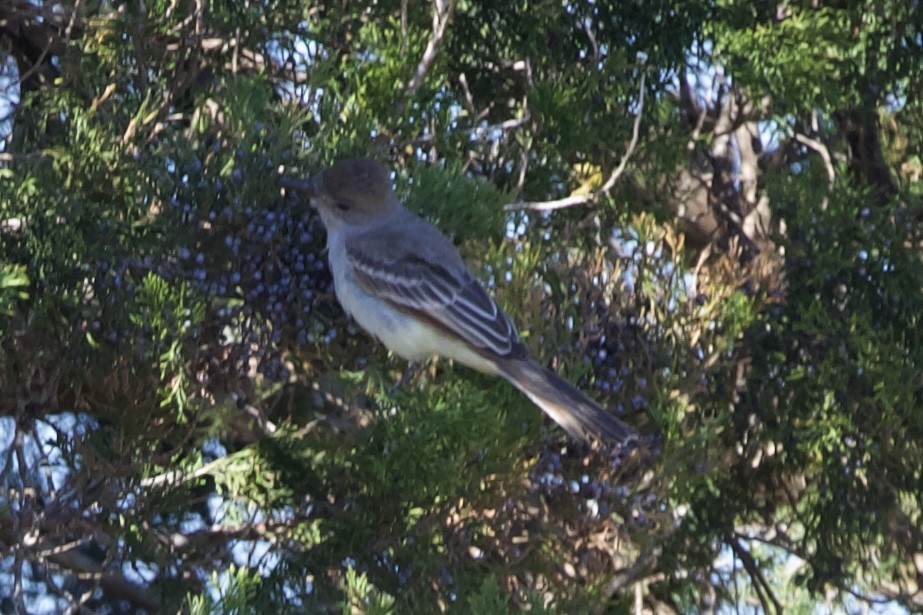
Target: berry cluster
{"x":255,"y":265}
{"x":259,"y":266}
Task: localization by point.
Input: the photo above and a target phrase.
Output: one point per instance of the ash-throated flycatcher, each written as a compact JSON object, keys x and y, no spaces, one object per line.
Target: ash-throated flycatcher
{"x":404,"y":282}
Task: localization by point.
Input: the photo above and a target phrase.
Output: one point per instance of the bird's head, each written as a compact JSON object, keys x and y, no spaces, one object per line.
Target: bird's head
{"x":352,"y":192}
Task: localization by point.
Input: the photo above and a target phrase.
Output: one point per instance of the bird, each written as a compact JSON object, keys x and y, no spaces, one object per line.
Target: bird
{"x":406,"y":284}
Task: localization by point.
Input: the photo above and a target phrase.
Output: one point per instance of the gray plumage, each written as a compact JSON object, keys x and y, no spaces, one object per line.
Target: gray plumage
{"x":405,"y":283}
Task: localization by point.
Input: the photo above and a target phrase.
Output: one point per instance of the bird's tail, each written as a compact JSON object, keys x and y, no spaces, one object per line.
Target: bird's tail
{"x":579,"y":415}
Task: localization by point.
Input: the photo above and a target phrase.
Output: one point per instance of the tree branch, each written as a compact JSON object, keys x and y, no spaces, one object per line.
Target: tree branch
{"x":822,"y":150}
{"x":72,"y":559}
{"x":582,"y":199}
{"x":763,"y":590}
{"x":442,"y":13}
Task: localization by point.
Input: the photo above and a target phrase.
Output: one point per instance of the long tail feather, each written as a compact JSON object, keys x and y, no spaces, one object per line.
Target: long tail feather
{"x":579,"y":415}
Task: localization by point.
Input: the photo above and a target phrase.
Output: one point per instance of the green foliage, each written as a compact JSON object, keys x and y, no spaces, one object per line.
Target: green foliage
{"x":851,"y":332}
{"x":166,"y":316}
{"x":802,"y":59}
{"x":13,"y":282}
{"x":362,"y":597}
{"x":823,"y":57}
{"x":237,"y":591}
{"x":488,"y":600}
{"x":217,"y":422}
{"x":438,"y":194}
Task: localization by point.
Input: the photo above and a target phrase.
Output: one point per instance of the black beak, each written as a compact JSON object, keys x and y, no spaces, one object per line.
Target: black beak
{"x":302,"y":186}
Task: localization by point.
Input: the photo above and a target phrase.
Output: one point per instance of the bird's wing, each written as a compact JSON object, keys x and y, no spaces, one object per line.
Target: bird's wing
{"x":428,"y":278}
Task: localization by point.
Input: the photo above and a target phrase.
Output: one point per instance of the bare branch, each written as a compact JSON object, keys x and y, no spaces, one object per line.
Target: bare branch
{"x":37,"y":66}
{"x":442,"y":13}
{"x":583,"y":199}
{"x":481,"y":131}
{"x":69,"y":30}
{"x":635,"y":573}
{"x":478,"y":132}
{"x":469,"y":99}
{"x":403,"y":26}
{"x":592,"y":38}
{"x":570,"y":201}
{"x":822,"y":150}
{"x":14,"y":156}
{"x":178,"y":477}
{"x":523,"y":169}
{"x":635,"y":130}
{"x":762,"y":587}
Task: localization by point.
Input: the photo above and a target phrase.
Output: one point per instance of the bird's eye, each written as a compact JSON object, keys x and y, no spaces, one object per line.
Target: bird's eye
{"x":342,"y":206}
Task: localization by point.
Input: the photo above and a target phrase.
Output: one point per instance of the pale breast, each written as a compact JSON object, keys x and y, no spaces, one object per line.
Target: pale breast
{"x":406,"y":336}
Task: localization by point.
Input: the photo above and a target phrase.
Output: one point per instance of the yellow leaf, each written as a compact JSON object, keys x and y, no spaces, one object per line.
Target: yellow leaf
{"x":590,"y":176}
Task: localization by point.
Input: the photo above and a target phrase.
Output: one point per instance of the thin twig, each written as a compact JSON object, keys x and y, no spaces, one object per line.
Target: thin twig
{"x":469,"y":99}
{"x":583,"y":199}
{"x":822,"y":150}
{"x":69,"y":30}
{"x":763,"y":590}
{"x":481,"y":131}
{"x":38,"y":63}
{"x":523,"y":168}
{"x":403,"y":26}
{"x":14,"y":156}
{"x":442,"y":12}
{"x":179,"y":477}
